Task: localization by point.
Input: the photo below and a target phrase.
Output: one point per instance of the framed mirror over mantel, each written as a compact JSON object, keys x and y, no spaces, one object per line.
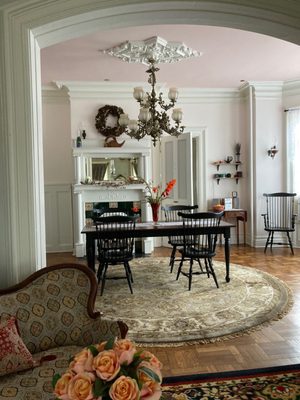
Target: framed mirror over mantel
{"x":108,"y":176}
{"x":93,"y":165}
{"x":128,"y":169}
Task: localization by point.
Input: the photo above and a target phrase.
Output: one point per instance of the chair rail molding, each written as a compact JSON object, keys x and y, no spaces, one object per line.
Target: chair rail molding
{"x":26,"y":27}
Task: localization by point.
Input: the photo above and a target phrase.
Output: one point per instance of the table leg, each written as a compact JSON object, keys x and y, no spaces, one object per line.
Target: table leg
{"x":237,"y":231}
{"x":90,"y":252}
{"x":227,"y":256}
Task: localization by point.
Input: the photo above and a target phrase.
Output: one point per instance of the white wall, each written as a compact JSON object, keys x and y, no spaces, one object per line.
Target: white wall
{"x":218,"y":110}
{"x":58,"y":161}
{"x":252,"y":116}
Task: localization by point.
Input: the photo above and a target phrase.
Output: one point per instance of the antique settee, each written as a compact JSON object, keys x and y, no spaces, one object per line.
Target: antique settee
{"x":55,"y":318}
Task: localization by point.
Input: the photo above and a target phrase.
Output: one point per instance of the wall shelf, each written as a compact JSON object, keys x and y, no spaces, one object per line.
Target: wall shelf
{"x":227,"y":175}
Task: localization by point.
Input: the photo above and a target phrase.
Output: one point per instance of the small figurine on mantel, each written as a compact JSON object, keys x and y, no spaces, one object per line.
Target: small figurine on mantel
{"x":111,"y":141}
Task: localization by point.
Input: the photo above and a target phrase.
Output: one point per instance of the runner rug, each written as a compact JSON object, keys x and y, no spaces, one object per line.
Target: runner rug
{"x":162,"y":311}
{"x":276,"y":383}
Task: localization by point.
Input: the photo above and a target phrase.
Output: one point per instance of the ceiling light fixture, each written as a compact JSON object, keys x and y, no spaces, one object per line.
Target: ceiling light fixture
{"x":153,"y":119}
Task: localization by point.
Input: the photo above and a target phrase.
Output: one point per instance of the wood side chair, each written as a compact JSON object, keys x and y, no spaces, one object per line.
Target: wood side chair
{"x":114,"y":250}
{"x":279,"y":217}
{"x":171,"y":215}
{"x":199,"y":246}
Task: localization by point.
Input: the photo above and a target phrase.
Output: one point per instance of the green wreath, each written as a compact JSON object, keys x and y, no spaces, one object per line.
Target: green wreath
{"x":101,"y":118}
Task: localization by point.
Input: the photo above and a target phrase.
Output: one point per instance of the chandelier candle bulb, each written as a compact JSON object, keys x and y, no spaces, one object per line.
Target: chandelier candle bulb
{"x":138,"y":93}
{"x":177,"y":114}
{"x":133,"y":125}
{"x":173,"y":94}
{"x":144,"y":114}
{"x":123,"y":120}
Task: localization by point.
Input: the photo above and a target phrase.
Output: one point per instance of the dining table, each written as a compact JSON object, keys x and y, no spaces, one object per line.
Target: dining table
{"x":158,"y":229}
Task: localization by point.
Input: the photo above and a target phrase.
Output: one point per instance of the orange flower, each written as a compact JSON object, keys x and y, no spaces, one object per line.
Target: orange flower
{"x":154,"y":194}
{"x":61,"y":386}
{"x":82,"y":361}
{"x":151,"y":358}
{"x":125,"y":350}
{"x":124,"y":388}
{"x":81,"y":387}
{"x":117,"y":372}
{"x":151,"y":390}
{"x":106,"y":365}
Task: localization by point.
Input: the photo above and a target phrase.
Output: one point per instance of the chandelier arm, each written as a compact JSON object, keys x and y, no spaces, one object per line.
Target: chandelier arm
{"x":154,"y":122}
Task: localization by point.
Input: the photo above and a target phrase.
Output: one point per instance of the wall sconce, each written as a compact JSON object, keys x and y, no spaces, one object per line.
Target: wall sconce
{"x":272,"y":151}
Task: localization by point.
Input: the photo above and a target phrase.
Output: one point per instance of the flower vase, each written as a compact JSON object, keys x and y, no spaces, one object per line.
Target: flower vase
{"x":155,"y":211}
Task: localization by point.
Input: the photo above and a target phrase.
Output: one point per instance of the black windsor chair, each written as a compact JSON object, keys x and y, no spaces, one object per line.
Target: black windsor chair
{"x":171,"y":215}
{"x":279,"y":217}
{"x":199,"y":246}
{"x":112,"y":249}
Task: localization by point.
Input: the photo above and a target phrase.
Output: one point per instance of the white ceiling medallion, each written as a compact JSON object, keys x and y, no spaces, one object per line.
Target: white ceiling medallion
{"x":154,"y":48}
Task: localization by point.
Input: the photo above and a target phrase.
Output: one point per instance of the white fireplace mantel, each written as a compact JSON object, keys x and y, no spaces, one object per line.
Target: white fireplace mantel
{"x":95,"y":193}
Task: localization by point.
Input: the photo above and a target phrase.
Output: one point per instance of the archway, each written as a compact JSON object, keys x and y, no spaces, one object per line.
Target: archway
{"x":29,"y":27}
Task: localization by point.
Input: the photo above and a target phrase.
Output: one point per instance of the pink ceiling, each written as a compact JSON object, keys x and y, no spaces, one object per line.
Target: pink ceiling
{"x":229,"y":56}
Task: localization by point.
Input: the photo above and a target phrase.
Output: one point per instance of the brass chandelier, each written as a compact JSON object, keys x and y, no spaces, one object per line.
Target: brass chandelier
{"x":151,"y":120}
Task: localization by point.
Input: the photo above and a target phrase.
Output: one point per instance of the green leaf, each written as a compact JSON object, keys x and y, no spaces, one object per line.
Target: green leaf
{"x":109,"y":344}
{"x":55,"y":378}
{"x":137,"y":354}
{"x":124,"y":371}
{"x":150,"y":373}
{"x":99,"y":388}
{"x":93,"y":350}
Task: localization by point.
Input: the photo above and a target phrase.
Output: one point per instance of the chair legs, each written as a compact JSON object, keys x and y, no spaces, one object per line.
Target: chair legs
{"x":270,"y":241}
{"x":290,"y":242}
{"x":172,"y":258}
{"x":128,"y":275}
{"x":208,"y":269}
{"x":101,"y":275}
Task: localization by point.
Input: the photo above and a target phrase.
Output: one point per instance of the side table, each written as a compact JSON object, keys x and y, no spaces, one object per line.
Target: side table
{"x":239,"y":215}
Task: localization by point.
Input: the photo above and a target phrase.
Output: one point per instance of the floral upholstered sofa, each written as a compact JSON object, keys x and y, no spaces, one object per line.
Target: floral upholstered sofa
{"x":52,"y":314}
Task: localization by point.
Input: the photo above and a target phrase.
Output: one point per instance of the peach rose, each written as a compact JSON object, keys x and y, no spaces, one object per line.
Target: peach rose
{"x":125,"y":350}
{"x":151,"y":358}
{"x":82,"y":361}
{"x":81,"y":387}
{"x":106,"y":365}
{"x":124,"y":388}
{"x":61,"y":386}
{"x":151,"y":390}
{"x":100,"y":346}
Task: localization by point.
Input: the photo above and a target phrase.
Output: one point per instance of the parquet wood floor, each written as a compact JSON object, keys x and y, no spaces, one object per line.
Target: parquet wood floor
{"x":277,"y":344}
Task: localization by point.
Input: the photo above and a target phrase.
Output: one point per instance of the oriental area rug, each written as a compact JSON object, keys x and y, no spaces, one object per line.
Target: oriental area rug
{"x":163,"y":312}
{"x":276,"y":383}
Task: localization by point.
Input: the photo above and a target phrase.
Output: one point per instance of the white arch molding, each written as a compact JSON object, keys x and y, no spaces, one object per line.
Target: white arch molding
{"x":28,"y":25}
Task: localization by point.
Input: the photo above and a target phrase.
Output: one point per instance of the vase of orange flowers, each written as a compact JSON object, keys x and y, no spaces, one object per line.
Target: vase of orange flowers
{"x":155,"y":195}
{"x":111,"y":370}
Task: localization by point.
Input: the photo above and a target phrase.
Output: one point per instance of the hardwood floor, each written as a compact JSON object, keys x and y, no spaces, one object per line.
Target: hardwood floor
{"x":277,"y":344}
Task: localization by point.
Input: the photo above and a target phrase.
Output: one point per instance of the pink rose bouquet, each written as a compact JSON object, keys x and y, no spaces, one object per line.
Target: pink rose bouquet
{"x":110,"y":370}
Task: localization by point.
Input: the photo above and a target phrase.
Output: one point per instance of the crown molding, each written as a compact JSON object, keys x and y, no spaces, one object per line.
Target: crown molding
{"x":291,"y":88}
{"x":267,"y":90}
{"x":64,"y":91}
{"x":51,"y":94}
{"x":122,"y":90}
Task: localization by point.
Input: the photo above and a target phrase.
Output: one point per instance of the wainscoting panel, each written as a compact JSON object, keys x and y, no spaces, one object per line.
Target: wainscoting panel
{"x":59,"y":222}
